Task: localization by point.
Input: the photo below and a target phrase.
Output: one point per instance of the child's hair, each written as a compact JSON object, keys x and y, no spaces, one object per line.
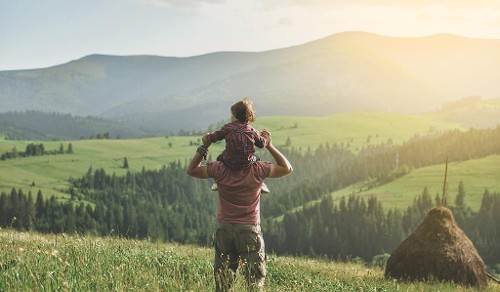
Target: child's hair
{"x":243,"y":110}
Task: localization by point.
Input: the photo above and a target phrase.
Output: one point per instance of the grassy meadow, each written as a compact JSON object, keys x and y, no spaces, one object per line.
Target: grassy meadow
{"x":35,"y":262}
{"x":50,"y":173}
{"x":355,"y":129}
{"x":476,"y":175}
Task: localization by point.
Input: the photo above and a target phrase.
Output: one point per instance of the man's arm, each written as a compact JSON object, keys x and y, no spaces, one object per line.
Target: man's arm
{"x":282,"y":166}
{"x":195,"y":169}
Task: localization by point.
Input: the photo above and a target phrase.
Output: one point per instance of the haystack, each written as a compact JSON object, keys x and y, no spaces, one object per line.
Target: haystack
{"x":438,"y":249}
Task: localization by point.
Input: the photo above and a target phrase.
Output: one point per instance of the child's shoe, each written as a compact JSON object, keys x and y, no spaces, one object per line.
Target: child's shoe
{"x":214,"y":187}
{"x":264,"y":189}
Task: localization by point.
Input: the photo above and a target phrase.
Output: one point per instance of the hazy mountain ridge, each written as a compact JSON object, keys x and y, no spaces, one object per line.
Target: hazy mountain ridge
{"x":35,"y":125}
{"x":343,"y":72}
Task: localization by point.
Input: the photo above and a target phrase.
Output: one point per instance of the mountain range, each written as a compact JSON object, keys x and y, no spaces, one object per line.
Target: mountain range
{"x":350,"y":71}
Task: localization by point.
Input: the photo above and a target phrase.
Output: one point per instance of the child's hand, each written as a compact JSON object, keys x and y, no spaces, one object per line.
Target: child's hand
{"x":265,"y":133}
{"x":205,"y":140}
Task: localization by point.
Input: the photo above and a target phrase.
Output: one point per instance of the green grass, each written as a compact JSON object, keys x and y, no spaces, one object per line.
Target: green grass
{"x":50,"y":173}
{"x":352,"y":129}
{"x":35,"y":262}
{"x":476,"y":175}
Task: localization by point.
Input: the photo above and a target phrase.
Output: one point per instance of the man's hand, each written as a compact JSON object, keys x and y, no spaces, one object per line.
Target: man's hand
{"x":266,"y":134}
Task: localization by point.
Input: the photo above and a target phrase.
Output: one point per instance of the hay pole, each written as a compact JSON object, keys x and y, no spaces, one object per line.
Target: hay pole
{"x":444,"y":183}
{"x":493,"y":278}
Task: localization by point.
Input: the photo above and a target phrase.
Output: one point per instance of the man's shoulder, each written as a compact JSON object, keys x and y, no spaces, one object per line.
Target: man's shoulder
{"x":263,"y":167}
{"x":213,"y":167}
{"x":215,"y":164}
{"x":217,"y":167}
{"x":262,"y":163}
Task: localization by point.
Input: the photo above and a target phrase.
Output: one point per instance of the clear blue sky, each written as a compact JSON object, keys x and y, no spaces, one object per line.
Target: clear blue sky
{"x":43,"y":33}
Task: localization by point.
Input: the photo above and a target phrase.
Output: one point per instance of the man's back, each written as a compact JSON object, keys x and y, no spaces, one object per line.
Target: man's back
{"x":239,"y":191}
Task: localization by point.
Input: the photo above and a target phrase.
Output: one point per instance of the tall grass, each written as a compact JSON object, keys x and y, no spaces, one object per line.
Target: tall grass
{"x":36,"y":262}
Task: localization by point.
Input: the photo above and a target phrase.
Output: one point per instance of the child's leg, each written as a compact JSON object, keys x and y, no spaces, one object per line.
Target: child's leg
{"x":219,"y":158}
{"x":214,"y":187}
{"x":264,"y":189}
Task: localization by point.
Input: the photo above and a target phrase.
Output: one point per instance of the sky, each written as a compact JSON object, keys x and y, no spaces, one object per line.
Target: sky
{"x":44,"y":33}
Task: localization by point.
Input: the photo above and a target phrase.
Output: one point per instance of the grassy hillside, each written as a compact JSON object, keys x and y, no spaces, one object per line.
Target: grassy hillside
{"x":50,"y":173}
{"x":476,"y":175}
{"x":31,"y":261}
{"x":356,"y":130}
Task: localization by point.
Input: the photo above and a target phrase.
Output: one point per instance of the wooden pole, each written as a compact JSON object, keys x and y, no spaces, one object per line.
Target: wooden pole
{"x":444,"y":183}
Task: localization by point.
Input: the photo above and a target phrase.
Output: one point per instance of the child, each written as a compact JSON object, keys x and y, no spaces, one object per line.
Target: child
{"x":241,"y":138}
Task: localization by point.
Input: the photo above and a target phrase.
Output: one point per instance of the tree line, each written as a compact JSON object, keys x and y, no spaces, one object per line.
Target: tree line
{"x":36,"y":150}
{"x":337,"y":228}
{"x":37,"y":125}
{"x":333,"y":167}
{"x":356,"y":227}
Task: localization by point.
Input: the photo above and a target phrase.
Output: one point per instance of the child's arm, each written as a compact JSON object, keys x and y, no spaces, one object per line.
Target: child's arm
{"x":217,"y":135}
{"x":262,"y":138}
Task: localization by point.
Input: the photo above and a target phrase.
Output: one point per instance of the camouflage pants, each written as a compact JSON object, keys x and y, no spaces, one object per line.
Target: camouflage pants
{"x":238,"y":245}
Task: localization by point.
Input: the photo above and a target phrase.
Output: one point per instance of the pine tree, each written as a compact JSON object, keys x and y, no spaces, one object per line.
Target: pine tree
{"x":460,"y":198}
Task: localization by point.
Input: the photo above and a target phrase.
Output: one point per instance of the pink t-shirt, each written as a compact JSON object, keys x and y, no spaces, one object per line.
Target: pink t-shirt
{"x":239,"y":191}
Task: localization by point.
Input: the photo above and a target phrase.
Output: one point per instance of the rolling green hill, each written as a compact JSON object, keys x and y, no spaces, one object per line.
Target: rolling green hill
{"x":50,"y":173}
{"x":477,"y":175}
{"x":355,"y":129}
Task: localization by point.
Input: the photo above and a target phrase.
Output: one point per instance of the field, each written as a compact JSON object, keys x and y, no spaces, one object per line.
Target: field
{"x":476,"y":175}
{"x":50,"y":173}
{"x":36,"y":262}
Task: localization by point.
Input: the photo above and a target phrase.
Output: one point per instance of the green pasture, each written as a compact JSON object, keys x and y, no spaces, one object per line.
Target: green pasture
{"x":50,"y":173}
{"x":354,"y":130}
{"x":477,"y":175}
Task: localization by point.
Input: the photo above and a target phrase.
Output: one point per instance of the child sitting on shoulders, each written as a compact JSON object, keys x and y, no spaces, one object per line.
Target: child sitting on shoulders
{"x":241,"y":138}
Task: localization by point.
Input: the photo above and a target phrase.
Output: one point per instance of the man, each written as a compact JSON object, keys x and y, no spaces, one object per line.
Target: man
{"x":238,"y":240}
